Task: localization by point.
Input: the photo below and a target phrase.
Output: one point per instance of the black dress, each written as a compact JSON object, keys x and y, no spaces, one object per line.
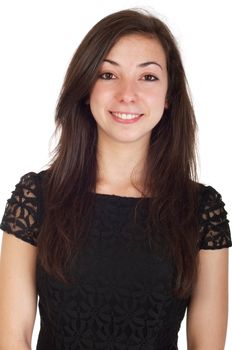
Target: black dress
{"x":121,"y":298}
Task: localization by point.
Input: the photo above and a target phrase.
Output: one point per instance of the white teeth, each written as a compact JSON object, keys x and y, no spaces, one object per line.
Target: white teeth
{"x":125,"y":116}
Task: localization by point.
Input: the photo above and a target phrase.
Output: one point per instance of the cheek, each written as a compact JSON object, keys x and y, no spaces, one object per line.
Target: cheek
{"x":155,"y":97}
{"x":98,"y":100}
{"x":99,"y":93}
{"x":93,"y":95}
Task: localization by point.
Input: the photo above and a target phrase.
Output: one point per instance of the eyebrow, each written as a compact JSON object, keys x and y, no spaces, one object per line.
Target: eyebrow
{"x":144,"y":64}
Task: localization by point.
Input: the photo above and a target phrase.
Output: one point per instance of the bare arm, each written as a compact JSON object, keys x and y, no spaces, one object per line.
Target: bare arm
{"x":207,"y":313}
{"x":18,"y":299}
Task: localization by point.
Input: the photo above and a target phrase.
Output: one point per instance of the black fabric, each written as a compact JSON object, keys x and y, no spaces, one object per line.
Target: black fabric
{"x":121,"y":295}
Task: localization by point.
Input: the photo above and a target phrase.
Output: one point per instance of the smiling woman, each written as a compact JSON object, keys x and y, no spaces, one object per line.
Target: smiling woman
{"x":117,"y":237}
{"x":131,"y":89}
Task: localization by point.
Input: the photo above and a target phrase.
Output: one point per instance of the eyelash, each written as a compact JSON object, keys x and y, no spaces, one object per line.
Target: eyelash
{"x":154,"y":78}
{"x":104,"y":74}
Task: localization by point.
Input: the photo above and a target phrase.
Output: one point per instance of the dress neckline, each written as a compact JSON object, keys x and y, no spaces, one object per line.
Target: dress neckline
{"x":117,"y":197}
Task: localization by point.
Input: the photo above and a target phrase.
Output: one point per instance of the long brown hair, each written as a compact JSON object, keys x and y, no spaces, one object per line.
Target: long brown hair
{"x":171,"y":176}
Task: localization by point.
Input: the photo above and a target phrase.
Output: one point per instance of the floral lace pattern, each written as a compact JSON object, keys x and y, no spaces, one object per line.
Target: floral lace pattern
{"x":121,"y":296}
{"x":21,"y":216}
{"x":214,"y":225}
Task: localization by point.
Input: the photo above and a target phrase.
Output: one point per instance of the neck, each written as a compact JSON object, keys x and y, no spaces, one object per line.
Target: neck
{"x":121,"y":165}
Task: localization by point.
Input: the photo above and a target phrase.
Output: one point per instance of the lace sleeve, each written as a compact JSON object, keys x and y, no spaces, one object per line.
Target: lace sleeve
{"x":214,"y":225}
{"x":21,"y":216}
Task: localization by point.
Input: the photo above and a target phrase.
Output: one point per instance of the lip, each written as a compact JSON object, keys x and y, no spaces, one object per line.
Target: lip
{"x":126,"y":112}
{"x":125,"y":121}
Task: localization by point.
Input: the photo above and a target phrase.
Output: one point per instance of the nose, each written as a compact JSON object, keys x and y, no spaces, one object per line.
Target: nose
{"x":126,"y":92}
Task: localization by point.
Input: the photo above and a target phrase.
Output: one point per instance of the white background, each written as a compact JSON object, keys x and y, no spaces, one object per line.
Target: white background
{"x":38,"y":39}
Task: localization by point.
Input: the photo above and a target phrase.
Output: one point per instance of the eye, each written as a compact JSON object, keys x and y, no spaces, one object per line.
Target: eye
{"x":150,"y":77}
{"x":106,"y":76}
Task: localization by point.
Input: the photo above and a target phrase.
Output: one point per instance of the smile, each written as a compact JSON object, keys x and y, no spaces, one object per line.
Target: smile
{"x":126,"y":116}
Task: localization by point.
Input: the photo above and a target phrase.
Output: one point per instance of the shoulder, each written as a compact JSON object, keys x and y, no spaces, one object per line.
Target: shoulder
{"x":23,"y":211}
{"x":214,"y":224}
{"x":208,"y":193}
{"x":30,"y":182}
{"x":28,"y":192}
{"x":31,"y":178}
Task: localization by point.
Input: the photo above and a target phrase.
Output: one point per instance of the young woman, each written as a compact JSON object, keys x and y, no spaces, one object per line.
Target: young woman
{"x":117,"y":237}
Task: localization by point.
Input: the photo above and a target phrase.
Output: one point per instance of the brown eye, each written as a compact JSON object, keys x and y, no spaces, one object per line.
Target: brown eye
{"x":106,"y":76}
{"x":150,"y":77}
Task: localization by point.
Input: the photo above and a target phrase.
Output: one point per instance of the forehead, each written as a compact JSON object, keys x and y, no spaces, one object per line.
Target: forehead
{"x":136,"y":46}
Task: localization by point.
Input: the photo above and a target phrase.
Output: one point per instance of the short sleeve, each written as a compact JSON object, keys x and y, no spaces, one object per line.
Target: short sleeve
{"x":214,"y":225}
{"x":21,"y":217}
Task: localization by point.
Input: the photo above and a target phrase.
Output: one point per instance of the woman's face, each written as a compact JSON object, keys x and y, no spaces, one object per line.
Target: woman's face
{"x":129,"y":96}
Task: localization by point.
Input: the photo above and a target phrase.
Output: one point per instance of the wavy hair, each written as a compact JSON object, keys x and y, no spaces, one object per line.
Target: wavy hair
{"x":171,"y":174}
